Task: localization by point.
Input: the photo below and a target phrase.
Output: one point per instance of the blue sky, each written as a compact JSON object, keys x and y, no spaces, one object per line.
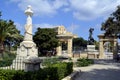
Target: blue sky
{"x":76,"y":15}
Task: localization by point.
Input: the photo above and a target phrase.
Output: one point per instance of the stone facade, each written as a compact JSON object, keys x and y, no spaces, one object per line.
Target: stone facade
{"x":102,"y":40}
{"x":64,"y":36}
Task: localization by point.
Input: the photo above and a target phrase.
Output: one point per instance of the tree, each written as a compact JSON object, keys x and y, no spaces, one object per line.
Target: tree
{"x":79,"y":43}
{"x":46,"y":40}
{"x":14,"y":38}
{"x":112,"y":25}
{"x":8,"y":34}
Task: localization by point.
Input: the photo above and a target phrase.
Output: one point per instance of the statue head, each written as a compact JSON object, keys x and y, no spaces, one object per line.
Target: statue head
{"x":91,"y":30}
{"x":90,"y":38}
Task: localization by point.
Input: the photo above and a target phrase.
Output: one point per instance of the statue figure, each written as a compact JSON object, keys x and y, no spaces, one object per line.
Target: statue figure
{"x":28,"y":26}
{"x":90,"y":38}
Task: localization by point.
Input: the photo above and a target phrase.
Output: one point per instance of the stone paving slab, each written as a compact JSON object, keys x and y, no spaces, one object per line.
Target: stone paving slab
{"x":102,"y":70}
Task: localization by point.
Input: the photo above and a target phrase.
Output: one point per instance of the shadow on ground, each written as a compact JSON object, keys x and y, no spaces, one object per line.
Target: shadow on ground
{"x":105,"y":70}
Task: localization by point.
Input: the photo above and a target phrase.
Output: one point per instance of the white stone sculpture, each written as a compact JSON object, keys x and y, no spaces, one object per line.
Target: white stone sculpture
{"x":28,"y":26}
{"x":27,"y":48}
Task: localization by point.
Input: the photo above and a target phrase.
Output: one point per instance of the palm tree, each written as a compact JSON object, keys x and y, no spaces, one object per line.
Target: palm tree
{"x":14,"y":37}
{"x":8,"y":33}
{"x":4,"y":31}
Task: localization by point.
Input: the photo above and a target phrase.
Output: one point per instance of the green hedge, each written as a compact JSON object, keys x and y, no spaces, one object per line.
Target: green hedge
{"x":63,"y":69}
{"x":84,"y":62}
{"x":54,"y":72}
{"x":50,"y":61}
{"x":7,"y":59}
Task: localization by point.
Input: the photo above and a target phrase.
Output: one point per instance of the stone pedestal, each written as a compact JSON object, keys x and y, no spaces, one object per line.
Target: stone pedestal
{"x":18,"y":64}
{"x":27,"y":48}
{"x":90,"y":47}
{"x":32,"y":64}
{"x":92,"y":53}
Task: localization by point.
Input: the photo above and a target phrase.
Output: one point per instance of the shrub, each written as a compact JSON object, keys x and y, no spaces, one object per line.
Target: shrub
{"x":84,"y":62}
{"x":50,"y":61}
{"x":54,"y":72}
{"x":63,"y":69}
{"x":7,"y":74}
{"x":7,"y":59}
{"x":18,"y":75}
{"x":69,"y":68}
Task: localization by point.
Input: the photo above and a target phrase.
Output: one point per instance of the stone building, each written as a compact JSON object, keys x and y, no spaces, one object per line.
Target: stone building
{"x":64,"y":36}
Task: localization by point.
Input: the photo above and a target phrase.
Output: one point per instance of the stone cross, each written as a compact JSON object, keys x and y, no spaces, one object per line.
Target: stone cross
{"x":28,"y":25}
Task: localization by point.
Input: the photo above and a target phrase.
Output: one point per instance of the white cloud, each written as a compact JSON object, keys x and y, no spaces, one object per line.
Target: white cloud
{"x":43,"y":25}
{"x":66,"y":9}
{"x":20,"y":27}
{"x":72,"y":28}
{"x":92,"y":9}
{"x":15,"y":0}
{"x":42,"y":7}
{"x":35,"y":26}
{"x":81,"y":9}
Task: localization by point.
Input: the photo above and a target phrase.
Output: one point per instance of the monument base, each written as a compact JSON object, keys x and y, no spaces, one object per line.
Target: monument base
{"x":32,"y":64}
{"x":90,"y":47}
{"x":18,"y":64}
{"x":26,"y":48}
{"x":92,"y":53}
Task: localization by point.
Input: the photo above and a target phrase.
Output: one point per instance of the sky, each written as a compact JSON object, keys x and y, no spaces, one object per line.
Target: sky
{"x":78,"y":16}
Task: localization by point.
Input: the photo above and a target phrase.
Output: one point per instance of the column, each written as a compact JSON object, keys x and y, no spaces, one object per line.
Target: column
{"x":69,"y":47}
{"x":59,"y":51}
{"x":115,"y":46}
{"x":101,"y":50}
{"x":115,"y":49}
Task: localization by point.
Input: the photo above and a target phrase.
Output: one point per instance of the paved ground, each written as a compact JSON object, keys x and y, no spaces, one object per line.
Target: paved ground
{"x":101,"y":70}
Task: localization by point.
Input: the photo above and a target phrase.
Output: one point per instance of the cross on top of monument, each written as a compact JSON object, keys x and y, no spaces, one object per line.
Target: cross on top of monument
{"x":29,"y":11}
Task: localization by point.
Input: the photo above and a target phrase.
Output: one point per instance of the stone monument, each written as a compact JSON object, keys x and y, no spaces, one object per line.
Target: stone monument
{"x":90,"y":38}
{"x":27,"y":48}
{"x":91,"y":47}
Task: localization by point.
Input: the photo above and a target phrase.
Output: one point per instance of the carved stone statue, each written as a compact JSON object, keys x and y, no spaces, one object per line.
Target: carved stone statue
{"x":90,"y":38}
{"x":28,"y":26}
{"x":27,"y":48}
